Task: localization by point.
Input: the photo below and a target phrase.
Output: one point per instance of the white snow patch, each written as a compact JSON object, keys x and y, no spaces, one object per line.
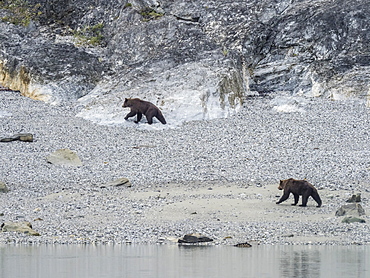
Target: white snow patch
{"x":289,"y":104}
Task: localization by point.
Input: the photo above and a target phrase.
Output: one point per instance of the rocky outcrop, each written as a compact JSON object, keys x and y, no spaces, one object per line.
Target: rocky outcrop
{"x":207,"y":54}
{"x":64,"y":157}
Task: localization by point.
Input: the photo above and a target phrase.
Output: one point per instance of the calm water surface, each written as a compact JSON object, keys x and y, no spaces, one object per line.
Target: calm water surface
{"x":184,"y":261}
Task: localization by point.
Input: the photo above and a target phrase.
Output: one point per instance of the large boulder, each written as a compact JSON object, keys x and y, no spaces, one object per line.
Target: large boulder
{"x":350,"y":209}
{"x":352,"y":219}
{"x":194,"y":238}
{"x":20,"y":227}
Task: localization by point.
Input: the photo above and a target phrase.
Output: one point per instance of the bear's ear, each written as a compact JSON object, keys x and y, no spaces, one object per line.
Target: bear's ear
{"x":125,"y":99}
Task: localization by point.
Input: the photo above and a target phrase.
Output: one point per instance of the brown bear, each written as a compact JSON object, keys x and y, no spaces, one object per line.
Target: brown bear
{"x":298,"y":187}
{"x":140,"y":107}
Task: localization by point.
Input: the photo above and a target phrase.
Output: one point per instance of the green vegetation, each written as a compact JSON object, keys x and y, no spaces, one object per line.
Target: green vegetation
{"x":90,"y":35}
{"x":150,"y":14}
{"x":20,"y":12}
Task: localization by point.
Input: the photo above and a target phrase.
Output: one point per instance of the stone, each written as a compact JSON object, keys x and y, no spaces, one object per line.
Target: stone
{"x":355,"y":198}
{"x":243,"y":245}
{"x":64,"y":157}
{"x":194,"y":238}
{"x":350,"y":209}
{"x":20,"y":227}
{"x":25,"y":137}
{"x":117,"y":182}
{"x":352,"y":219}
{"x":3,"y":187}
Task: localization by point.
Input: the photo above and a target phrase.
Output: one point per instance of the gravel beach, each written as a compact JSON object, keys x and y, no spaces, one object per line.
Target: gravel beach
{"x":218,"y":177}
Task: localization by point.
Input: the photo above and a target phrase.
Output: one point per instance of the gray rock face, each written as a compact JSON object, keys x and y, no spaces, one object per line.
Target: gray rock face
{"x":208,"y":50}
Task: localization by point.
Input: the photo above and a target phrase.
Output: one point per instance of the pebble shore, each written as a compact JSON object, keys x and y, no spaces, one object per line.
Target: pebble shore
{"x":325,"y":142}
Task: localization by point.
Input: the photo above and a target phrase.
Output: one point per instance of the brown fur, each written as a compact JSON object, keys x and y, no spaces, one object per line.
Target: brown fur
{"x":298,"y":187}
{"x":140,"y":107}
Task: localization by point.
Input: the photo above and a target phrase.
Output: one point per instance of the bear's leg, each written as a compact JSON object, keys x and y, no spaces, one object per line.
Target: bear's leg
{"x":317,"y":198}
{"x":138,"y":118}
{"x":131,"y":114}
{"x":284,"y":197}
{"x":296,"y":198}
{"x":150,"y":119}
{"x":304,"y":199}
{"x":161,"y":118}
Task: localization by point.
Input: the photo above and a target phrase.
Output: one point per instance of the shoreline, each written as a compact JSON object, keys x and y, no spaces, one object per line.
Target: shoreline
{"x":218,"y":178}
{"x":227,"y":213}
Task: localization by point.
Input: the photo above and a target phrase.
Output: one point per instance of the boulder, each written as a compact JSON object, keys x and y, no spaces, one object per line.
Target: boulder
{"x":350,"y":209}
{"x":21,"y":227}
{"x":117,"y":182}
{"x":194,"y":238}
{"x":351,"y":219}
{"x":355,"y":198}
{"x":25,"y":137}
{"x":64,"y":157}
{"x":243,"y":245}
{"x":3,"y":187}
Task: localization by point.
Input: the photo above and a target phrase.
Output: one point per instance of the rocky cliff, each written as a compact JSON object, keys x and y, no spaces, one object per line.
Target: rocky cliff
{"x":204,"y":55}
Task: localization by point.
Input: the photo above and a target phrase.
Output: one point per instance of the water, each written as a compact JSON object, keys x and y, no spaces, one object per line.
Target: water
{"x":183,"y":261}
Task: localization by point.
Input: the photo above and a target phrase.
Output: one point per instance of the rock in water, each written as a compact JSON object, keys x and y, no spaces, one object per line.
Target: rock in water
{"x":194,"y":238}
{"x":21,"y":227}
{"x":243,"y":245}
{"x":64,"y":157}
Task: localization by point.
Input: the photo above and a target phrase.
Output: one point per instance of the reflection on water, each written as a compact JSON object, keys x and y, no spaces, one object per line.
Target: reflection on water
{"x":184,"y":261}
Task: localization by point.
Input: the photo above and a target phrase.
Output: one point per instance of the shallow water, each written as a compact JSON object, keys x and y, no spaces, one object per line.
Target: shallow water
{"x":184,"y":261}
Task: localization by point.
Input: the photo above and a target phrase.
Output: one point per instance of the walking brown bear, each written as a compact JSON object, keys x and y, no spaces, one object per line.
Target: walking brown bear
{"x":140,"y":107}
{"x":298,"y":187}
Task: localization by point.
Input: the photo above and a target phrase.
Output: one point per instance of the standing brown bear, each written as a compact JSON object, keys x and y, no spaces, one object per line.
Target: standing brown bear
{"x":298,"y":187}
{"x":140,"y":107}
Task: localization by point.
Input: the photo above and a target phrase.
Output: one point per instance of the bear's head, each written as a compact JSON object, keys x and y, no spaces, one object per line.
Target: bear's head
{"x":282,"y":184}
{"x":126,"y":103}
